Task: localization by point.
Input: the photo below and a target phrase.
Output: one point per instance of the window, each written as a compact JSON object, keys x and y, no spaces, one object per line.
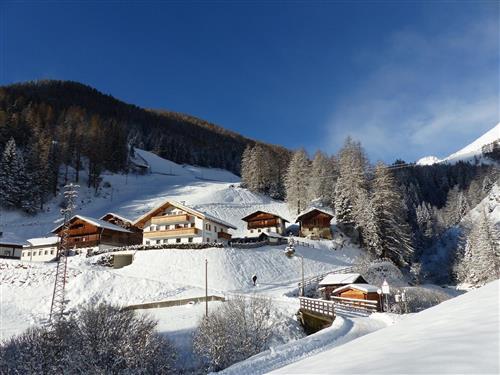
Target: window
{"x":251,"y":230}
{"x":29,"y":253}
{"x":147,"y":242}
{"x":215,"y":229}
{"x":158,"y":241}
{"x":190,"y":239}
{"x":51,"y":252}
{"x":208,"y":239}
{"x":177,"y":240}
{"x":46,"y":252}
{"x":258,"y":230}
{"x":24,"y":253}
{"x":268,"y":230}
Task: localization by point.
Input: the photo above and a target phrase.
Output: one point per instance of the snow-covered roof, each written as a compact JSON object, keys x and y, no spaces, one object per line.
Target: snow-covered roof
{"x":339,"y":278}
{"x":192,"y":211}
{"x":44,"y":241}
{"x":117,"y":216}
{"x":264,"y":212}
{"x":98,"y":223}
{"x":11,"y":239}
{"x":367,"y":288}
{"x":311,"y":209}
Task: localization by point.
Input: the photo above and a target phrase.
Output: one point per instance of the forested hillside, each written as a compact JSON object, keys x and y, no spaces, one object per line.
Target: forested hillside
{"x":48,"y":124}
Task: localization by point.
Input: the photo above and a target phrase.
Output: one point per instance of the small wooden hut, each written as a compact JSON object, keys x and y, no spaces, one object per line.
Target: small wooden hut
{"x":315,"y":223}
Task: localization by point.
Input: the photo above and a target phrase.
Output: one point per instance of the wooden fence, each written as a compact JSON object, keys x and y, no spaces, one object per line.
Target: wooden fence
{"x":170,"y":303}
{"x":317,"y":278}
{"x":365,"y":307}
{"x":317,"y":306}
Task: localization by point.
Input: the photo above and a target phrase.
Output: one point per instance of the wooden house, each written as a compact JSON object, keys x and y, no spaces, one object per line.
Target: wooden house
{"x":136,"y":237}
{"x":334,"y":281}
{"x":365,"y":292}
{"x":315,"y":223}
{"x":172,"y":222}
{"x":260,"y":222}
{"x":86,"y":232}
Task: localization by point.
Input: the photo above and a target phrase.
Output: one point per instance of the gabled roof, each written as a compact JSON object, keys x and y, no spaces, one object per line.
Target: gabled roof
{"x":192,"y":211}
{"x":97,"y":222}
{"x":367,"y":288}
{"x":264,"y":212}
{"x":311,"y":210}
{"x":117,"y":216}
{"x":340,"y":278}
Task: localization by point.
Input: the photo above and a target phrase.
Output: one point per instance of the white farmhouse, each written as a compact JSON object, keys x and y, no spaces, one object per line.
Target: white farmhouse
{"x":174,"y":223}
{"x":259,"y":222}
{"x":41,"y":249}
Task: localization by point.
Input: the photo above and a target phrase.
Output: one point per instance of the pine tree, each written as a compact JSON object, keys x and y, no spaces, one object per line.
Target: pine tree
{"x":323,"y":179}
{"x":297,"y":181}
{"x":392,"y":230}
{"x":351,"y":183}
{"x":12,"y":177}
{"x":480,"y":261}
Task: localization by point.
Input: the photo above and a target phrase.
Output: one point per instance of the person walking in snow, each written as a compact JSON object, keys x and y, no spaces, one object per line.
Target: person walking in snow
{"x":254,"y":279}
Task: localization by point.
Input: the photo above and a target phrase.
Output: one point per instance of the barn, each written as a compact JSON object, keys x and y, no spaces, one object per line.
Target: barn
{"x":334,"y":281}
{"x":315,"y":223}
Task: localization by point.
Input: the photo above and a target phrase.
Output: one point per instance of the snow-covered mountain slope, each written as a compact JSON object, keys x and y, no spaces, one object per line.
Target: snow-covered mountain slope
{"x":469,"y":152}
{"x":26,"y":288}
{"x":490,"y":205}
{"x":458,"y":336}
{"x":215,"y":191}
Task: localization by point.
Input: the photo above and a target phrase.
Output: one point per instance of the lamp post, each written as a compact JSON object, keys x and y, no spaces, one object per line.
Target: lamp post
{"x":206,"y":287}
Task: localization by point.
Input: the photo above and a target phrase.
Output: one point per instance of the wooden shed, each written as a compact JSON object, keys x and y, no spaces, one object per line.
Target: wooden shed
{"x":315,"y":223}
{"x":334,"y":281}
{"x":358,"y":291}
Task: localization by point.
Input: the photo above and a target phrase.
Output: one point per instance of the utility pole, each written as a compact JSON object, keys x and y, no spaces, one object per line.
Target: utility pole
{"x":302,"y":266}
{"x":206,"y":287}
{"x":58,"y":302}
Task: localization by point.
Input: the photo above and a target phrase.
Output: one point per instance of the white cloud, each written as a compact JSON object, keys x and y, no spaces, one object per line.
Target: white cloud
{"x":423,"y":94}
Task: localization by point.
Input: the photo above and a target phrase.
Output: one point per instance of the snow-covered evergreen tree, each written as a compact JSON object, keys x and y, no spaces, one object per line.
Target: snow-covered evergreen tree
{"x":392,"y":231}
{"x":479,"y":262}
{"x":351,"y":183}
{"x":323,"y":179}
{"x":297,"y":181}
{"x":12,"y":177}
{"x":456,"y":207}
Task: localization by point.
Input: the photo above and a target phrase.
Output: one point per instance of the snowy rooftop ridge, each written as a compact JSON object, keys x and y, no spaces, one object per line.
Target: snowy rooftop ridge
{"x":98,"y":223}
{"x":44,"y":241}
{"x":310,"y":209}
{"x":339,"y":278}
{"x":8,"y":238}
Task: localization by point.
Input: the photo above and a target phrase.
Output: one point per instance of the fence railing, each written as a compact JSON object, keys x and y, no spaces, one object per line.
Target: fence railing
{"x":358,"y":305}
{"x":318,"y":306}
{"x":317,"y":278}
{"x":170,"y":303}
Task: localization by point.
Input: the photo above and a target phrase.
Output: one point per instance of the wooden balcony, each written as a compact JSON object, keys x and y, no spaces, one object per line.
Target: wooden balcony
{"x":224,"y":236}
{"x":172,"y":233}
{"x":170,"y":219}
{"x":263,"y":223}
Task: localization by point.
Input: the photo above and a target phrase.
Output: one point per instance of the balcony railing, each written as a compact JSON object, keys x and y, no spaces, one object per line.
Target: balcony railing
{"x":170,"y":219}
{"x":172,"y":233}
{"x":224,"y":235}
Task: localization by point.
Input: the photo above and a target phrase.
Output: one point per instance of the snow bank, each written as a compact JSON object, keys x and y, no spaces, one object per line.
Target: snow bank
{"x":460,"y":335}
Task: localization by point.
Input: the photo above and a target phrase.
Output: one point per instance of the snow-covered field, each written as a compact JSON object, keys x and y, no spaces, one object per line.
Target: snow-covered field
{"x":458,"y":336}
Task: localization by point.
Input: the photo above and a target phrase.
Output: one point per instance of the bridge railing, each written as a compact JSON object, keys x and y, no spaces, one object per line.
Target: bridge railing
{"x":317,"y":306}
{"x":317,"y":278}
{"x":358,"y":305}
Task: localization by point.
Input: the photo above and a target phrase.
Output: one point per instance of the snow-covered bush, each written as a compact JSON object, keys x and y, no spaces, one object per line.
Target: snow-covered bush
{"x":98,"y":339}
{"x":238,"y":329}
{"x":418,"y":299}
{"x":375,"y":271}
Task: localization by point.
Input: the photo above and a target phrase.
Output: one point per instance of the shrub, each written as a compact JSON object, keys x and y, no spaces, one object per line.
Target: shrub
{"x":237,"y":330}
{"x":98,"y":339}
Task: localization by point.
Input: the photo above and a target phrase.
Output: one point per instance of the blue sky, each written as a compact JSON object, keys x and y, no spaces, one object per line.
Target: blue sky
{"x":407,"y":79}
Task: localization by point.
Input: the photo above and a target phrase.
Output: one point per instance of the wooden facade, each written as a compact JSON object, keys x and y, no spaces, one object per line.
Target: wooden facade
{"x":331,"y":283}
{"x":261,"y":222}
{"x":85,"y":233}
{"x":315,"y":224}
{"x":135,"y":237}
{"x":364,"y":292}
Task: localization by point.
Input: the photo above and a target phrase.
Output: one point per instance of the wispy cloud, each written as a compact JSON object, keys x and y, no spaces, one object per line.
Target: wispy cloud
{"x":423,"y":94}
